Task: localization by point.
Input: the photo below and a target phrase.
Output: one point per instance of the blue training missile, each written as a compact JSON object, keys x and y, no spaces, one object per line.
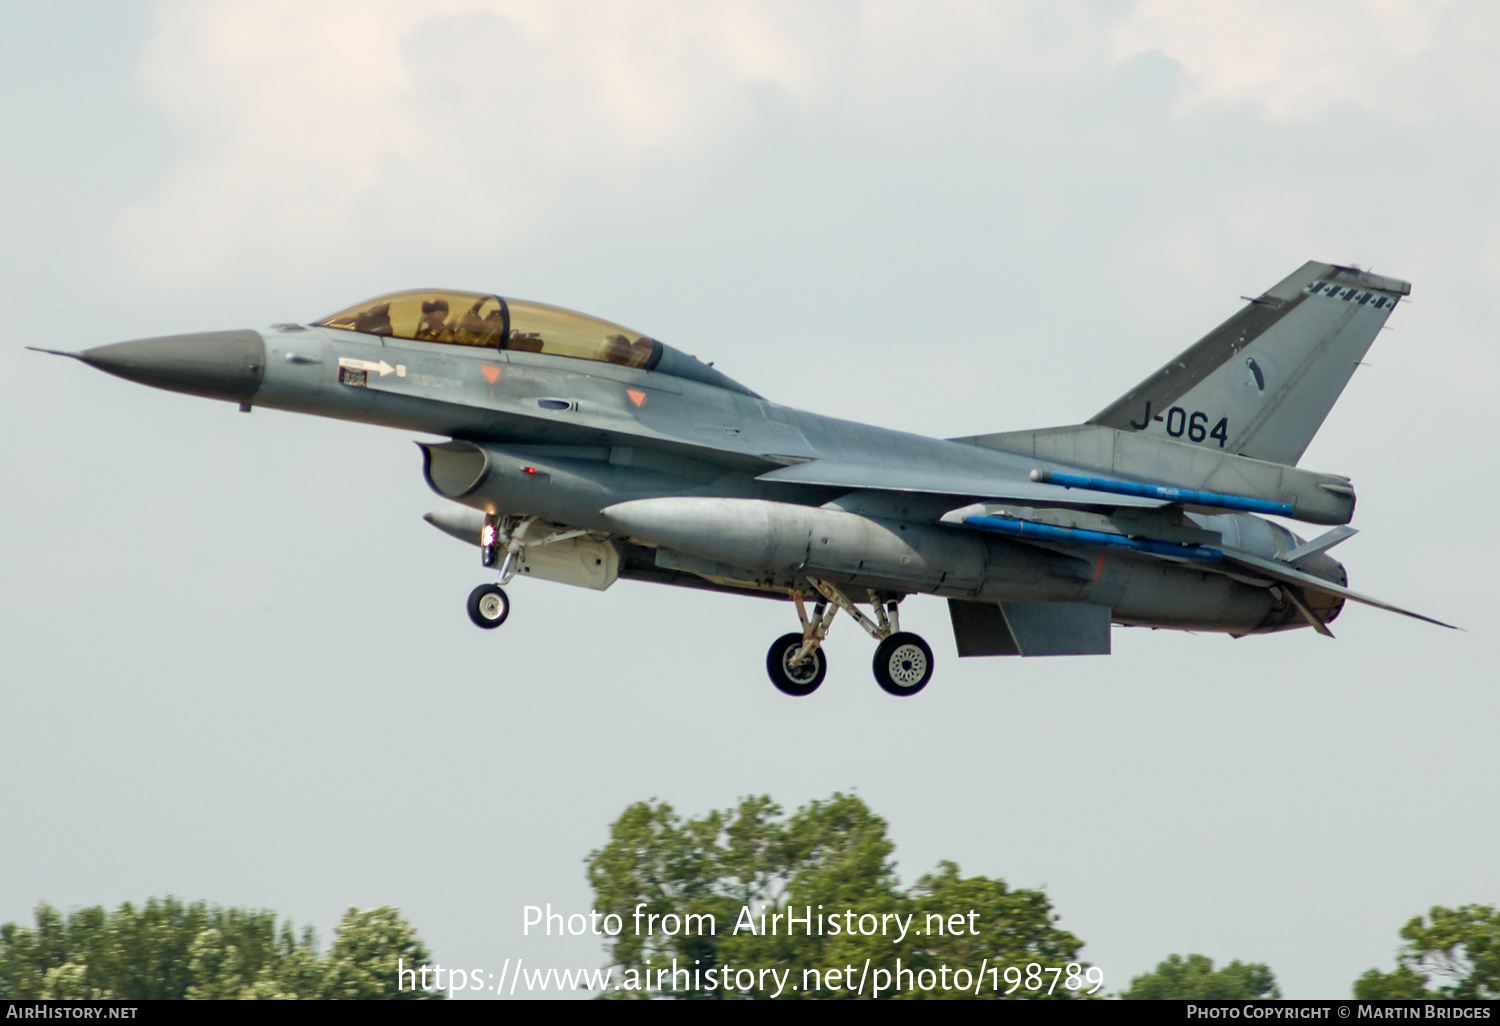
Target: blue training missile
{"x":1150,"y":491}
{"x":1079,"y":536}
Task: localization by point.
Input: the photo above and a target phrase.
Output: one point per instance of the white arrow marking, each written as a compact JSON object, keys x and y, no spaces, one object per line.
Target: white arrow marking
{"x":382,"y":367}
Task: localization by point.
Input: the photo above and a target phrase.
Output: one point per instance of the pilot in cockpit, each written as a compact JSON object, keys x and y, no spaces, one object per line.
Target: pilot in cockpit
{"x":433,"y":325}
{"x":493,"y":329}
{"x":375,"y":321}
{"x":489,"y":330}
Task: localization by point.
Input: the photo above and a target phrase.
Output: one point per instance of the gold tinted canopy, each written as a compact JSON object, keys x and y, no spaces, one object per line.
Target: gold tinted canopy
{"x":475,"y":319}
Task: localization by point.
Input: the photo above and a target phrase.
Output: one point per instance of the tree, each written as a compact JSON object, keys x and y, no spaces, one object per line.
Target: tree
{"x":1460,"y":946}
{"x":167,"y":950}
{"x":708,"y":882}
{"x":1195,"y":979}
{"x":363,"y":960}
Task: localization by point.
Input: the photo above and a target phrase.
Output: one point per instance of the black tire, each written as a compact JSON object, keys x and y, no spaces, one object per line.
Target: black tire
{"x":805,"y":678}
{"x":488,"y":606}
{"x":903,"y":664}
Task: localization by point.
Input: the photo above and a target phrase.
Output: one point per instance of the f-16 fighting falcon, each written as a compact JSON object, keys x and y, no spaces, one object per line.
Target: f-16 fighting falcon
{"x":582,"y":452}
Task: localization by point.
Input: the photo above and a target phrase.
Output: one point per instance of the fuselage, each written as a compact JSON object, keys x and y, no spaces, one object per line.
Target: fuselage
{"x":564,"y":439}
{"x":578,"y":451}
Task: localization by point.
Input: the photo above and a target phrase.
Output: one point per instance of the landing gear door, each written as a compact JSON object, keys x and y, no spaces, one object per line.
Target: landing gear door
{"x":581,"y":562}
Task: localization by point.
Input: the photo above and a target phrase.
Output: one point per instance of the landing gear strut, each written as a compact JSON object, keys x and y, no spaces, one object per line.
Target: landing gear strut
{"x":500,"y":543}
{"x":796,"y":664}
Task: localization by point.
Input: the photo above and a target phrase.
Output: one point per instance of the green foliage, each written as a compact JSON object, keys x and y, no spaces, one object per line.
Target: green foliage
{"x":1195,"y":979}
{"x":829,"y":856}
{"x":363,"y":961}
{"x":168,"y":950}
{"x":1460,"y":946}
{"x":1401,"y":985}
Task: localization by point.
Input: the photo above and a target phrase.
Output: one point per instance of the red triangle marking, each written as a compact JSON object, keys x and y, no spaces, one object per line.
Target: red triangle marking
{"x":491,"y":374}
{"x":636,"y":395}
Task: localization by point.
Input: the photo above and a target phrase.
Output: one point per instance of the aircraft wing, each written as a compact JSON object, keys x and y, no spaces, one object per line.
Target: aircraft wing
{"x":862,"y":476}
{"x":1279,"y":571}
{"x":859,"y":476}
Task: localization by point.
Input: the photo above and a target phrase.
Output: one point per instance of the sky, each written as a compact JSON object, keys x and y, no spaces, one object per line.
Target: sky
{"x":236,"y":662}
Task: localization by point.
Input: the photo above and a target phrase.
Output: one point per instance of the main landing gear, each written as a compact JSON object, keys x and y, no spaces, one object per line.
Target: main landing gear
{"x":796,"y":664}
{"x":791,"y":671}
{"x":903,"y":664}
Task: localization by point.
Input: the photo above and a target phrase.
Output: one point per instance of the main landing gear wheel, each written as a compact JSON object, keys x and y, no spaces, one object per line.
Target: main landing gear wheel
{"x":488,"y":606}
{"x":799,"y":680}
{"x":903,"y":664}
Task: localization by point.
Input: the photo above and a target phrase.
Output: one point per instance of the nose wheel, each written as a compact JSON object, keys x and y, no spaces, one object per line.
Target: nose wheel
{"x":500,"y":543}
{"x":488,"y":606}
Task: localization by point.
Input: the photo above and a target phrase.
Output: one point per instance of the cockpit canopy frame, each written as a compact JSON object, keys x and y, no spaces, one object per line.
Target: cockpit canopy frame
{"x":487,"y":321}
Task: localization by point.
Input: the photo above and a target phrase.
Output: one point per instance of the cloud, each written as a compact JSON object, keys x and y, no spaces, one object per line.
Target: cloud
{"x":351,"y":133}
{"x":355,"y":122}
{"x":1293,"y":60}
{"x":350,"y":126}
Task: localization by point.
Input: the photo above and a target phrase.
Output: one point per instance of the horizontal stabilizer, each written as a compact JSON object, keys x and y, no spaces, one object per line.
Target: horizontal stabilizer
{"x":833,"y":474}
{"x":1322,"y":543}
{"x":1278,"y":571}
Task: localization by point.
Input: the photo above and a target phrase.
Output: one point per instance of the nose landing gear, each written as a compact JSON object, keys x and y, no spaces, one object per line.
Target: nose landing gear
{"x":500,"y":542}
{"x":503,"y":543}
{"x":488,"y":606}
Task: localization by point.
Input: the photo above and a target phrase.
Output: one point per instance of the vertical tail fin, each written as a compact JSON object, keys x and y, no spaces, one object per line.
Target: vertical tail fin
{"x":1261,"y":384}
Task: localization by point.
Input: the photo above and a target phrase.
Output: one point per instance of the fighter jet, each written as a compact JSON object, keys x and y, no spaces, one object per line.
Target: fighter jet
{"x":582,"y":452}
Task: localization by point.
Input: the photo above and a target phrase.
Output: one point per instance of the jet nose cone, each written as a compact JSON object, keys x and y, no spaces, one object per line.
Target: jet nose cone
{"x":215,"y":364}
